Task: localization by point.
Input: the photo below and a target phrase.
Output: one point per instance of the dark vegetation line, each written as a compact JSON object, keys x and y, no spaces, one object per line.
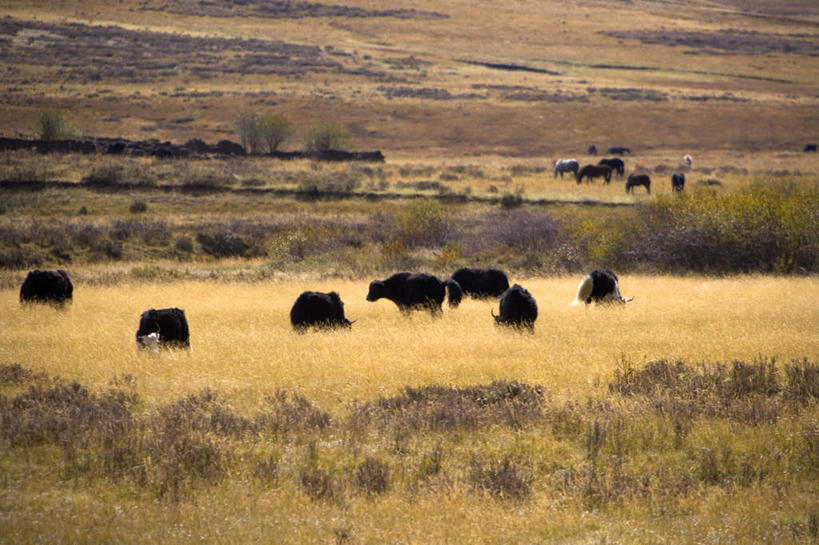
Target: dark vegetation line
{"x":510,"y":67}
{"x":411,"y":438}
{"x":607,"y":66}
{"x":308,"y":194}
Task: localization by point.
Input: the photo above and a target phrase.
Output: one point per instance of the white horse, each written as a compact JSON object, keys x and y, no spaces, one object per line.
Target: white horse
{"x":566,"y":165}
{"x":687,"y":161}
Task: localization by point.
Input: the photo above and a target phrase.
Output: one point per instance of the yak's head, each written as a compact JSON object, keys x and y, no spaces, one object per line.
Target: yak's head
{"x":148,"y":342}
{"x":377,"y":290}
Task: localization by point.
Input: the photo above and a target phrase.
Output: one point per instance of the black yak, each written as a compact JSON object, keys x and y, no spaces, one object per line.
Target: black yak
{"x":319,"y":310}
{"x":411,"y":291}
{"x":165,"y":327}
{"x":47,"y":287}
{"x":599,"y":286}
{"x":481,"y":283}
{"x":517,"y":308}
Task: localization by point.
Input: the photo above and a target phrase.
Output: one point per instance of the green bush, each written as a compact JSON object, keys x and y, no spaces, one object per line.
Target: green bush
{"x":759,"y":228}
{"x":424,"y":222}
{"x":326,"y":137}
{"x":262,"y":133}
{"x":52,"y":125}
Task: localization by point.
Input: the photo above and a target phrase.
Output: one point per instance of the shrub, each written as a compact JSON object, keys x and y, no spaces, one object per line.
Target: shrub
{"x":314,"y":184}
{"x":247,"y":128}
{"x":184,"y":244}
{"x":373,"y":476}
{"x":756,"y":228}
{"x":423,"y":222}
{"x":52,"y":125}
{"x":222,"y":244}
{"x":326,"y":137}
{"x":138,"y":207}
{"x":504,"y":479}
{"x":274,"y":131}
{"x":512,"y":200}
{"x":262,"y":132}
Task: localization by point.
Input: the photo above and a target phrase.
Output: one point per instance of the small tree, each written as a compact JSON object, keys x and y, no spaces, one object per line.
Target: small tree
{"x":325,"y":137}
{"x":274,"y":130}
{"x":52,"y":125}
{"x":260,"y":133}
{"x":247,"y":127}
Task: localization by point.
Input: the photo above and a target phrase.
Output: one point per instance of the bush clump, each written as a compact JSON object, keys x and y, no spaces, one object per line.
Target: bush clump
{"x":222,"y":244}
{"x":53,"y":125}
{"x":326,"y":137}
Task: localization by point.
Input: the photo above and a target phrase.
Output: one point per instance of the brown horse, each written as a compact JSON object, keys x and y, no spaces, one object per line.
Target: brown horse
{"x":638,"y":179}
{"x":594,"y":171}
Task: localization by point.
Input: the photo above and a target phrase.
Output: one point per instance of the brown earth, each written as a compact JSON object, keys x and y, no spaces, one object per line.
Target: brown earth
{"x":418,"y":81}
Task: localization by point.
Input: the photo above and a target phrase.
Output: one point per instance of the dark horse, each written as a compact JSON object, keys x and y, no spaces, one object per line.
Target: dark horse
{"x":594,"y":171}
{"x":638,"y":179}
{"x":616,"y":165}
{"x":678,"y":181}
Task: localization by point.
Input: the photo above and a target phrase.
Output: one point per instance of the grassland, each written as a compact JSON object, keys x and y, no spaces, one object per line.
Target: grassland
{"x":595,"y":444}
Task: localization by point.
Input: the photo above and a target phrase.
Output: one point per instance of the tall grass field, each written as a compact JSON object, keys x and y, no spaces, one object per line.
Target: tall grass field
{"x":686,"y":416}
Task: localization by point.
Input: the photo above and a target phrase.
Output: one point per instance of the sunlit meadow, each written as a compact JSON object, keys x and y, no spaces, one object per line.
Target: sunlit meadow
{"x":244,"y":347}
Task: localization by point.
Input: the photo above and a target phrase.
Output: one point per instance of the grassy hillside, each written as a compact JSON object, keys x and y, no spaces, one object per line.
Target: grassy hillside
{"x":415,"y":80}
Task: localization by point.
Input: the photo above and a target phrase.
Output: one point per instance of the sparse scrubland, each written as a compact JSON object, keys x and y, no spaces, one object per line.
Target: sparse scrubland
{"x":689,"y":415}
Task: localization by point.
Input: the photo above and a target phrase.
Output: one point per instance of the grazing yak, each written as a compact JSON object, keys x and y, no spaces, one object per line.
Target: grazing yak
{"x":615,"y":164}
{"x":599,"y":286}
{"x":592,"y":150}
{"x":163,"y":328}
{"x":678,"y":181}
{"x":47,"y":287}
{"x":319,"y":310}
{"x":566,"y":165}
{"x":481,"y":283}
{"x":638,"y":179}
{"x":517,"y":308}
{"x":594,"y":171}
{"x":810,"y":148}
{"x":412,"y":291}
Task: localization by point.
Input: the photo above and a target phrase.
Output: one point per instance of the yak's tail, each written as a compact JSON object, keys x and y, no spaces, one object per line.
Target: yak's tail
{"x":455,"y":292}
{"x":583,"y":290}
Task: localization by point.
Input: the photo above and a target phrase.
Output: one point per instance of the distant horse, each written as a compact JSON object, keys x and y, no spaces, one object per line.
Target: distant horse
{"x":638,"y":179}
{"x":592,"y":150}
{"x":687,"y":161}
{"x":616,"y":165}
{"x":594,"y":171}
{"x":566,"y":165}
{"x":678,"y":181}
{"x":618,"y":151}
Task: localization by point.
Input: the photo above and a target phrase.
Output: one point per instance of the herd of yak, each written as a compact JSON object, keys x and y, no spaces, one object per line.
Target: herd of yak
{"x":168,"y":327}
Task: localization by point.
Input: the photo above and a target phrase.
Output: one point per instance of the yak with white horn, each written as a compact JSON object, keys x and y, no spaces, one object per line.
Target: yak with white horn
{"x":599,"y":286}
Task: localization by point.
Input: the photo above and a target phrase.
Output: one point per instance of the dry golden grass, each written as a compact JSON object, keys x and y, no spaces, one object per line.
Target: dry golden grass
{"x":245,"y":348}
